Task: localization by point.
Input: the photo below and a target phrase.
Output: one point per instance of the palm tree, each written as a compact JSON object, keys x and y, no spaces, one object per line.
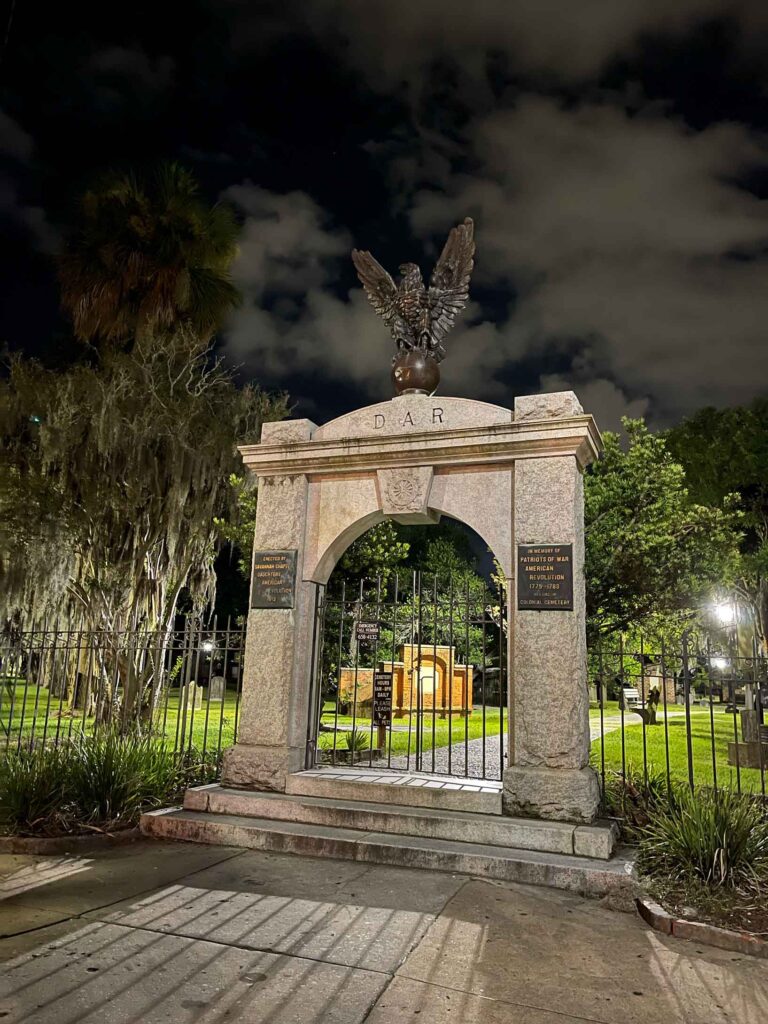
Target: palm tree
{"x":149,"y":254}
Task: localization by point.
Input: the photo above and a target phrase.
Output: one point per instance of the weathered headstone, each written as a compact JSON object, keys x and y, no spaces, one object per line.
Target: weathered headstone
{"x":216,"y":688}
{"x":192,"y":696}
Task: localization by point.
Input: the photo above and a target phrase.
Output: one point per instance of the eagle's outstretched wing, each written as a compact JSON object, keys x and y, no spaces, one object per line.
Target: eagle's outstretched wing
{"x":378,"y":284}
{"x":449,"y":287}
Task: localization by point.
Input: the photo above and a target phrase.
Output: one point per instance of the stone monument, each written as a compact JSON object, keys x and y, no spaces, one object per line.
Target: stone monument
{"x":216,"y":688}
{"x":513,"y":476}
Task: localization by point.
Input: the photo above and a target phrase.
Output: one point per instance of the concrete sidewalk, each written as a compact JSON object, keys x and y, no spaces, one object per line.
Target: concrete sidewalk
{"x":179,"y":932}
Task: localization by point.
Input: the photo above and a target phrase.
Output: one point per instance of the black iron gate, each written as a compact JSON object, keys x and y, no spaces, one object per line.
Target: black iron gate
{"x":410,"y":674}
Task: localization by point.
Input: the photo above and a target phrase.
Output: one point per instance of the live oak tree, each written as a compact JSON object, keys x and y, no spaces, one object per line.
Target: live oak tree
{"x":115,"y":477}
{"x":651,"y":549}
{"x":725,"y":452}
{"x":119,"y":470}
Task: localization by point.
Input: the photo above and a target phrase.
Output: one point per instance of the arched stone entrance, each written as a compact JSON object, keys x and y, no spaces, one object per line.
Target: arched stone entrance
{"x":513,"y":477}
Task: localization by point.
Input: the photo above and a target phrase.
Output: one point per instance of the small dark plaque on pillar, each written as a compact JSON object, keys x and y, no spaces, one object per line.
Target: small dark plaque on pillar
{"x":273,"y":581}
{"x":382,"y":698}
{"x":545,"y":577}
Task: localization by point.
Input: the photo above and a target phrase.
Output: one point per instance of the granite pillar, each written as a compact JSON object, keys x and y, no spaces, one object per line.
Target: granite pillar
{"x":272,"y":729}
{"x":549,"y":774}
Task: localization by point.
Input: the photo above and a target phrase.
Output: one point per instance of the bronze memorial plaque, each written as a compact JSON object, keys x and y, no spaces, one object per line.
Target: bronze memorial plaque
{"x":545,"y":577}
{"x":273,"y":580}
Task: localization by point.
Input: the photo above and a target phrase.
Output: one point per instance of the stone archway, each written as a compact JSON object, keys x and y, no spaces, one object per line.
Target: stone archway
{"x":514,"y":478}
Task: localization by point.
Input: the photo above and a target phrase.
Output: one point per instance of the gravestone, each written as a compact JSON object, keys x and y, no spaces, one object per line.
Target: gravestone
{"x":216,"y":688}
{"x":515,"y":478}
{"x":192,"y":696}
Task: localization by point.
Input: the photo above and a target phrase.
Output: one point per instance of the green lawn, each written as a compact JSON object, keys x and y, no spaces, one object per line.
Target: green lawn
{"x":26,"y":713}
{"x":471,"y":727}
{"x":701,"y":743}
{"x":611,"y":708}
{"x":27,"y":717}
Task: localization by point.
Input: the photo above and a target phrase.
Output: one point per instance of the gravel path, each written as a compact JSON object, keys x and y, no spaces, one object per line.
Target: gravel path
{"x":466,"y":761}
{"x":469,"y":761}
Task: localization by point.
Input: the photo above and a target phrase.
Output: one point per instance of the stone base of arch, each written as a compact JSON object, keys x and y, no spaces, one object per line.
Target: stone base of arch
{"x":257,"y":766}
{"x":515,"y":477}
{"x":557,"y":794}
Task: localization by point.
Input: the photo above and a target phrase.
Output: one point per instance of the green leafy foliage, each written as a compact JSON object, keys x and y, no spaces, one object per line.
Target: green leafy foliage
{"x":725,"y":452}
{"x":650,"y":549}
{"x":379,"y":552}
{"x":112,"y":776}
{"x":356,"y":739}
{"x":121,"y":469}
{"x":148,"y":255}
{"x":97,"y":782}
{"x":110,"y":501}
{"x":711,"y":838}
{"x":34,"y":789}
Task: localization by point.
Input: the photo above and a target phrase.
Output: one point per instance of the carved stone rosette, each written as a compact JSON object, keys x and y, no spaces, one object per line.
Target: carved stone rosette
{"x":404,"y":494}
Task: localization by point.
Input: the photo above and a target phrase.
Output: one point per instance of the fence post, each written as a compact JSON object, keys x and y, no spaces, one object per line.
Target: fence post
{"x":687,"y":695}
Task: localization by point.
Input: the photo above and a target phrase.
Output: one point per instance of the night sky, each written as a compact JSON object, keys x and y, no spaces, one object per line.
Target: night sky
{"x":612,"y":152}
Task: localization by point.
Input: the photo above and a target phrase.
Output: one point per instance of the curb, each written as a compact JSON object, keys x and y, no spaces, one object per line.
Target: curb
{"x":68,"y":844}
{"x":657,"y":918}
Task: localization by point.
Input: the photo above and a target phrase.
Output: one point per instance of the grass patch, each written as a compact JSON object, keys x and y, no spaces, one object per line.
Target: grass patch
{"x":701,"y":745}
{"x":33,"y":713}
{"x":402,"y":738}
{"x":611,"y":707}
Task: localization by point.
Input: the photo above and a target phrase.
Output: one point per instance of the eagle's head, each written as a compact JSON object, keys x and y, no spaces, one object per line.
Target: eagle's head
{"x":411,"y":275}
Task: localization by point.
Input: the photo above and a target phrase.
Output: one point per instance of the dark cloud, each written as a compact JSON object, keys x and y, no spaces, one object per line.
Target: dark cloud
{"x":613,"y":155}
{"x":617,"y":232}
{"x":149,"y":74}
{"x":14,"y":141}
{"x":17,"y":146}
{"x":622,"y":231}
{"x":395,"y":44}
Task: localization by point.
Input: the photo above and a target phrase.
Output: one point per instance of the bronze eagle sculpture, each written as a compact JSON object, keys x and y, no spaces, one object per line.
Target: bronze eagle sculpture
{"x":419,"y":318}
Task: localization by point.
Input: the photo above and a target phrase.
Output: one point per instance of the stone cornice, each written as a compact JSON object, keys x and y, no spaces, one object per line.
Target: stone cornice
{"x":462,"y":446}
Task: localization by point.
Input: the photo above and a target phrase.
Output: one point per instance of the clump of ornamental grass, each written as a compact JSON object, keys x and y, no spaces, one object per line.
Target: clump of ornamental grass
{"x":99,"y":782}
{"x":356,"y":739}
{"x":712,"y":839}
{"x":635,"y":796}
{"x":35,"y":791}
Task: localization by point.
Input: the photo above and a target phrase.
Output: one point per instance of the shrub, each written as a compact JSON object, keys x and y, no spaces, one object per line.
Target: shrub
{"x":114,"y":776}
{"x":356,"y":739}
{"x":101,"y":781}
{"x":635,"y":796}
{"x":718,"y":839}
{"x":34,"y":790}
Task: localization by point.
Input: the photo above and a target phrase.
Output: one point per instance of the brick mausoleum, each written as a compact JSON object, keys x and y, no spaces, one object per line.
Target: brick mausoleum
{"x":444,"y":683}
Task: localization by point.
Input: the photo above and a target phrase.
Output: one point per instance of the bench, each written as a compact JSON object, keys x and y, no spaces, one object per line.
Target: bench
{"x":630,"y":700}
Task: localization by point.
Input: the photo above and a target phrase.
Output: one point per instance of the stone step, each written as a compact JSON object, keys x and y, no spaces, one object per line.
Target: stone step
{"x":476,"y":796}
{"x":585,"y":875}
{"x":595,"y":841}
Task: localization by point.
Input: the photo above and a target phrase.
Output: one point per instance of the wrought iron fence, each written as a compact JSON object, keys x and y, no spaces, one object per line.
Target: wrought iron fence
{"x":410,"y":674}
{"x":678,"y":717}
{"x":180,"y":686}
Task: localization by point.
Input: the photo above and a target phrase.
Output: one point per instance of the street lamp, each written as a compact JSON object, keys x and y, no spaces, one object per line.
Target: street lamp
{"x":726,"y":613}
